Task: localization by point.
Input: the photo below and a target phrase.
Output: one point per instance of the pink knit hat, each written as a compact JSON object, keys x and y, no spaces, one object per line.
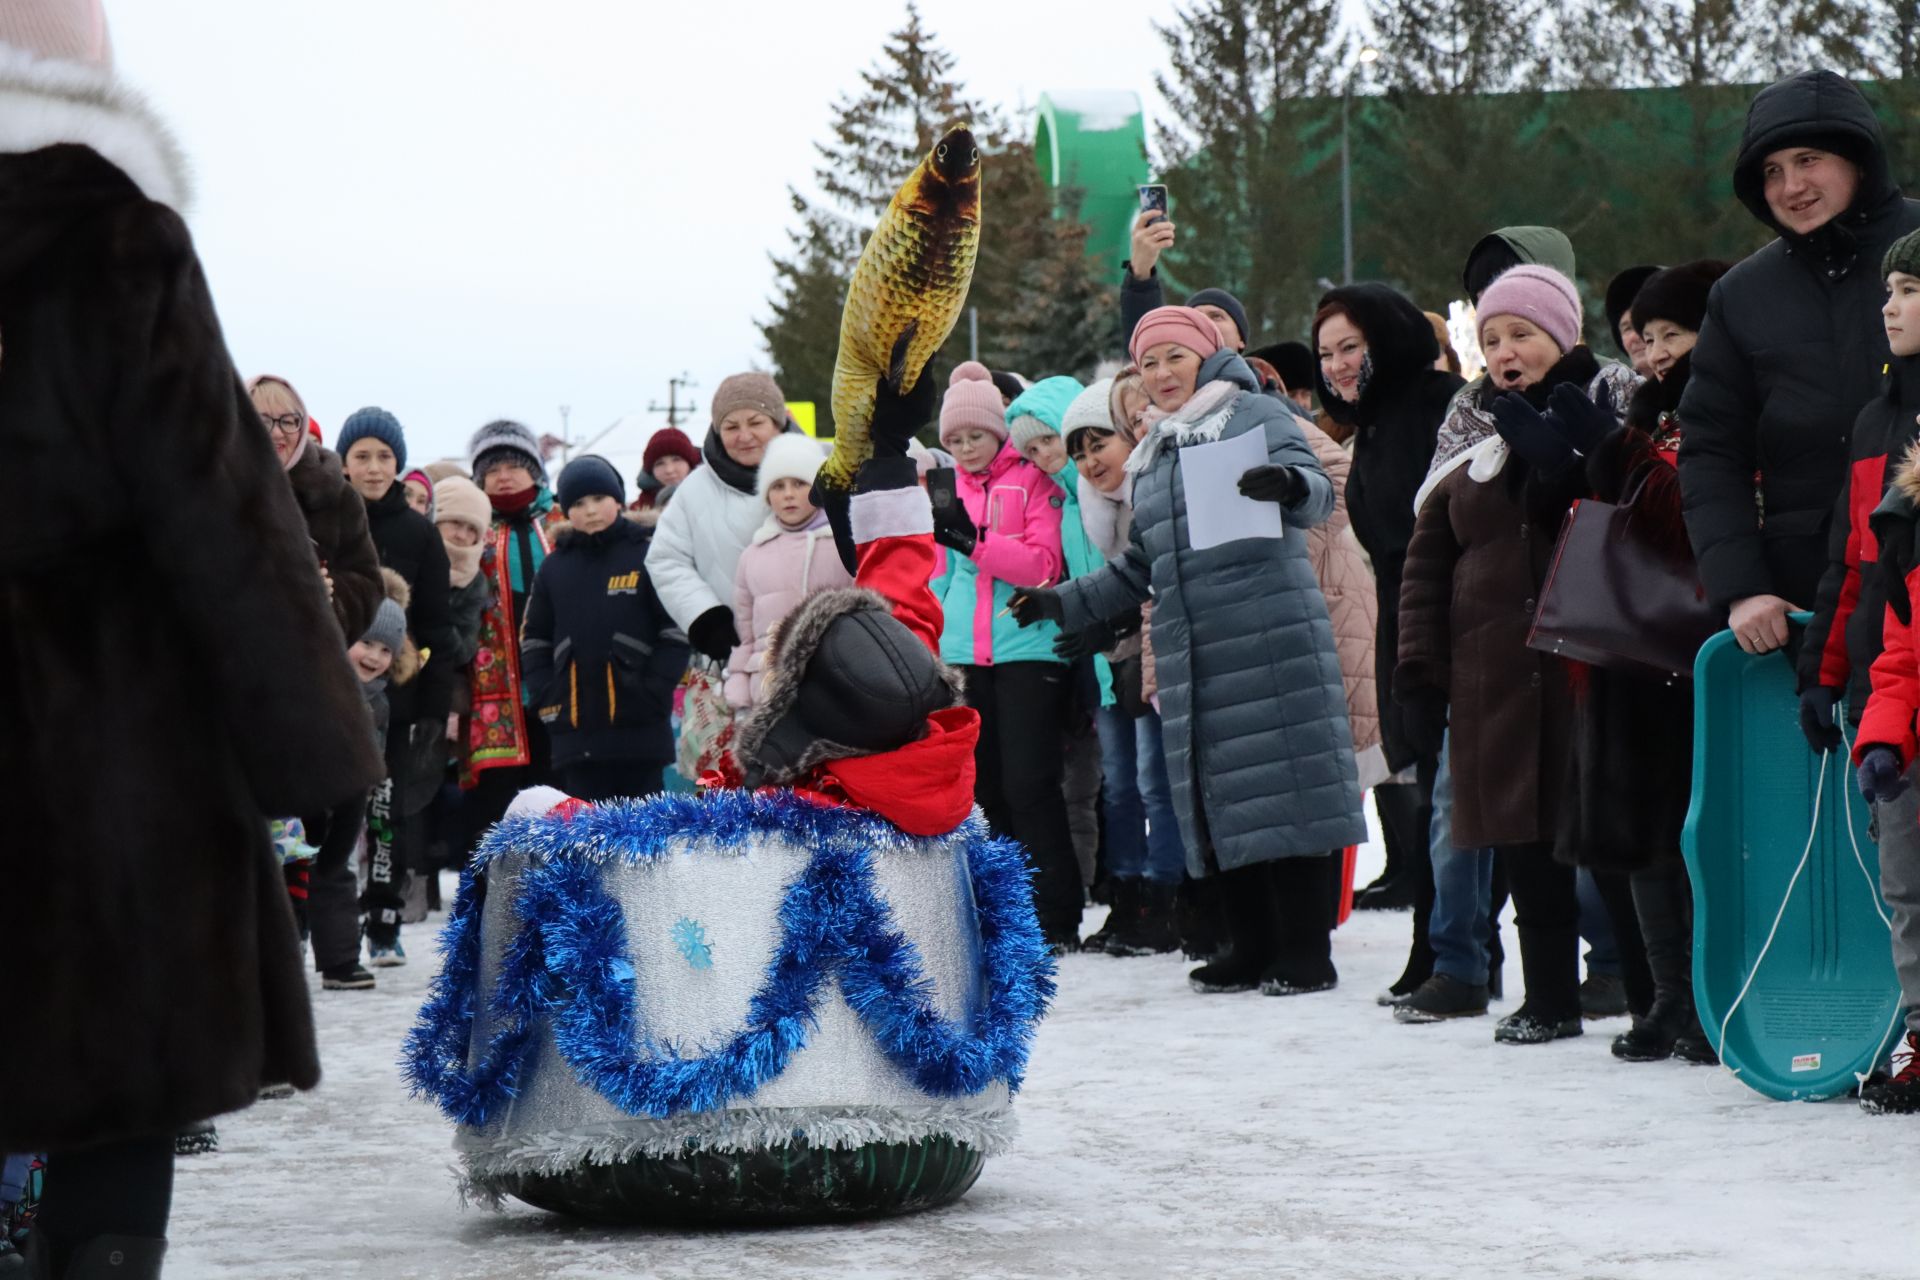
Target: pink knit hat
{"x":69,"y":30}
{"x":972,"y":401}
{"x":1191,"y":329}
{"x":1539,"y":295}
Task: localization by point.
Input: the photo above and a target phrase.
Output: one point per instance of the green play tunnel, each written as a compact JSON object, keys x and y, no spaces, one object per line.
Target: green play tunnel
{"x":1092,"y":145}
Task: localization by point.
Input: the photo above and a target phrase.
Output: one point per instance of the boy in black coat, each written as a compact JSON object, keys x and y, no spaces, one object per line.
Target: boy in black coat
{"x":599,"y":654}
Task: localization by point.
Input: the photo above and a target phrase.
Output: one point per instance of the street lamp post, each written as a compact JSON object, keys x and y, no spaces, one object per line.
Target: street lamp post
{"x":1366,"y":55}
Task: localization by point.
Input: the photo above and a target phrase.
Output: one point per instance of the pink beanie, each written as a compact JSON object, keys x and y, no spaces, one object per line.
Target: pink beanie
{"x":1192,"y":329}
{"x":1539,"y":295}
{"x":972,"y":401}
{"x":68,"y":30}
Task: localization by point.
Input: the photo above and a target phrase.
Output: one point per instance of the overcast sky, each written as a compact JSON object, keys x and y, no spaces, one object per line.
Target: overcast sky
{"x":467,"y":209}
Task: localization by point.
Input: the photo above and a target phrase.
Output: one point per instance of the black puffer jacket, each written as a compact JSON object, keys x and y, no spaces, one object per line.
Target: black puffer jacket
{"x":411,"y":547}
{"x":1400,"y":409}
{"x":1791,"y":349}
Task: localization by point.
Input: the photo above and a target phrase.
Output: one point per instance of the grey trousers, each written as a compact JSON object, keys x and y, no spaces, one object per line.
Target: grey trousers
{"x":1899,"y":826}
{"x":1080,"y":782}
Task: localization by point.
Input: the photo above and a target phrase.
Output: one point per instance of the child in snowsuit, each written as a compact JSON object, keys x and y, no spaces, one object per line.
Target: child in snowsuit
{"x":791,"y":557}
{"x":600,"y":656}
{"x":1887,"y":746}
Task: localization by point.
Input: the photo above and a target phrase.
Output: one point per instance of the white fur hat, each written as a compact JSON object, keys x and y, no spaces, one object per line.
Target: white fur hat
{"x":789,"y":456}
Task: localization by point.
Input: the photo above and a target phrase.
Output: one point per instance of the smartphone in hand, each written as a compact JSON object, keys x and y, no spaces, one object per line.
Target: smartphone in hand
{"x":943,"y":490}
{"x":1153,"y":198}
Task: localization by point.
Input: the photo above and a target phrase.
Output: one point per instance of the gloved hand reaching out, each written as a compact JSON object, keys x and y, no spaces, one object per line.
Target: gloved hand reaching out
{"x":1881,"y":777}
{"x":1284,"y":485}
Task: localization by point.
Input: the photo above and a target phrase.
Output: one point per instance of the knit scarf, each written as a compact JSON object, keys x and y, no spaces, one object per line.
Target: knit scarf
{"x":1199,"y":421}
{"x":745,"y":479}
{"x":1107,"y":517}
{"x":515,"y":515}
{"x":464,"y":562}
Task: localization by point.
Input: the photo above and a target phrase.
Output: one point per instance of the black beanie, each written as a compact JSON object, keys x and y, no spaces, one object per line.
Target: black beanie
{"x":590,"y":476}
{"x":1231,"y":305}
{"x":1678,"y":294}
{"x":1621,"y":291}
{"x":1293,"y":361}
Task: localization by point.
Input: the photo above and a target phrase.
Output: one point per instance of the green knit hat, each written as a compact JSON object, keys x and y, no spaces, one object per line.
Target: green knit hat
{"x":1903,"y":256}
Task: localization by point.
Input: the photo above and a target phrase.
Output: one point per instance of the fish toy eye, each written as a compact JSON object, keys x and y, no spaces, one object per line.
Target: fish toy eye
{"x":973,"y":157}
{"x":940,"y":152}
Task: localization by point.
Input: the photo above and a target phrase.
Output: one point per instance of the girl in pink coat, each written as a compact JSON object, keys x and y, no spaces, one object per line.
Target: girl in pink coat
{"x":791,"y":557}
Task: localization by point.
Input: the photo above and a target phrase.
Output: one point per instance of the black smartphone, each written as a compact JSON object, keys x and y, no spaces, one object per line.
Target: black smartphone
{"x":1153,"y":198}
{"x":943,"y":489}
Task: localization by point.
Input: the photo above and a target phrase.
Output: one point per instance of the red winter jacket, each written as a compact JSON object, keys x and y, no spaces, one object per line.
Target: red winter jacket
{"x":1889,"y":717}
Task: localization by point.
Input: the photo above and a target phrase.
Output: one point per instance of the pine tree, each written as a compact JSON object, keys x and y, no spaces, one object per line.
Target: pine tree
{"x":804,"y":333}
{"x":1459,"y":142}
{"x":1250,"y":157}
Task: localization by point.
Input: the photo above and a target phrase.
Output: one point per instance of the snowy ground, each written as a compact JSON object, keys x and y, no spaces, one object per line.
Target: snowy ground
{"x":1164,"y":1134}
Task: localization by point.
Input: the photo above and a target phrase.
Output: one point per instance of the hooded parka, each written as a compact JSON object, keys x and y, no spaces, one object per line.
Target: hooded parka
{"x":1792,"y":348}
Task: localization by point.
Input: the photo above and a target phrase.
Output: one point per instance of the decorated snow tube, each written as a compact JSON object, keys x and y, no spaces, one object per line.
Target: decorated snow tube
{"x":735,"y":1007}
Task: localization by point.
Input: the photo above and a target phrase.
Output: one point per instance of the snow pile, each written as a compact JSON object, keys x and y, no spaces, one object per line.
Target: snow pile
{"x":1163,"y":1134}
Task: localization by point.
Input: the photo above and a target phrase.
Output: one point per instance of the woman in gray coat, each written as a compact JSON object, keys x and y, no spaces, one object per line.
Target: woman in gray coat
{"x":1255,"y":715}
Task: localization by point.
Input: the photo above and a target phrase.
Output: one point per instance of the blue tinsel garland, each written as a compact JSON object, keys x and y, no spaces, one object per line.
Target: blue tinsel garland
{"x":567,"y":961}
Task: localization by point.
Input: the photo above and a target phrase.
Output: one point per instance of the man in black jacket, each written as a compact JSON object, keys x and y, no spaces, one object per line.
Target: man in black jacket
{"x":1792,"y":348}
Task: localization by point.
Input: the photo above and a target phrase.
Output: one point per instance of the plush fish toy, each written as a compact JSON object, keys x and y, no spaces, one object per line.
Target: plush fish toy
{"x":906,"y":294}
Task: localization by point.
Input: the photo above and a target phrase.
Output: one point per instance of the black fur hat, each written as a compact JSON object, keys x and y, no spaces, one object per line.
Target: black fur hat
{"x":1621,"y":291}
{"x":844,"y":678}
{"x":1678,"y":294}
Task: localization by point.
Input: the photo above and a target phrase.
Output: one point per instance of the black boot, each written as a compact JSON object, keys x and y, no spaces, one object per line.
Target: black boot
{"x":1549,"y":962}
{"x":1124,"y":905}
{"x":1398,"y":805}
{"x":1246,"y":906}
{"x":1303,"y":905}
{"x":1149,"y":931}
{"x":101,"y":1258}
{"x":1663,"y":911}
{"x":1196,"y":915}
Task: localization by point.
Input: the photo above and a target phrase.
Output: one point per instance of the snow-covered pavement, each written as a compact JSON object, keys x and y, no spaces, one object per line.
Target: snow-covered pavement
{"x":1164,"y":1134}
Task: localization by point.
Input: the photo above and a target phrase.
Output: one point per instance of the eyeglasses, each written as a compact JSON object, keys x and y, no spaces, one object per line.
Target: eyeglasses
{"x":287,"y":424}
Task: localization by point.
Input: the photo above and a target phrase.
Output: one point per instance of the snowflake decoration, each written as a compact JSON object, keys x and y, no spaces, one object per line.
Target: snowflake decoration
{"x":690,"y":937}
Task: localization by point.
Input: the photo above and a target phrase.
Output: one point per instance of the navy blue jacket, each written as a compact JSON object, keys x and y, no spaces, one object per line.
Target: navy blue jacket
{"x":599,"y":654}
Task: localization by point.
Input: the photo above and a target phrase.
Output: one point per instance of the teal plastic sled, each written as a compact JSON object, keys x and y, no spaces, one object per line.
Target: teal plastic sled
{"x":1821,"y":1004}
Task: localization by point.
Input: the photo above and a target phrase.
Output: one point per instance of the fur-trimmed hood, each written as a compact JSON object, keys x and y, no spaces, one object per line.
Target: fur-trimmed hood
{"x":45,"y":103}
{"x":791,"y":649}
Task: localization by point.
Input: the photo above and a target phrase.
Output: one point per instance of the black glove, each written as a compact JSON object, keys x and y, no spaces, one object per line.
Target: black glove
{"x":712,"y":633}
{"x":1582,"y":423}
{"x":1284,"y":485}
{"x":1881,"y":777}
{"x":896,"y":417}
{"x":1816,"y":718}
{"x":955,"y":531}
{"x":1071,"y":646}
{"x":1896,"y":561}
{"x":1037,"y":604}
{"x":1423,"y":718}
{"x":1532,"y":435}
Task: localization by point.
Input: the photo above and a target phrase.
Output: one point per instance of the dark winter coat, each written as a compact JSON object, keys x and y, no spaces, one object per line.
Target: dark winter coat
{"x":1844,"y":637}
{"x":463,"y":614}
{"x":337,"y":526}
{"x":1252,"y":704}
{"x":154,"y":721}
{"x":1480,"y":552}
{"x":410,"y":545}
{"x":1400,"y":410}
{"x":1792,"y":348}
{"x":1629,"y":776}
{"x":599,"y":654}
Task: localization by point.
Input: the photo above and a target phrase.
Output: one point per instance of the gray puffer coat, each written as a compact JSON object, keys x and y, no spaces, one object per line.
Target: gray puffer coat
{"x":1251,"y":701}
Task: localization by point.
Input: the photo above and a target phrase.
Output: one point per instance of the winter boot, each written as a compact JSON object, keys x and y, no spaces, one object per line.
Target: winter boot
{"x":1246,"y":905}
{"x":346,"y":977}
{"x":1663,"y":908}
{"x":197,"y":1139}
{"x":1695,"y":1046}
{"x":1303,"y":906}
{"x":1420,"y":952}
{"x":1603,"y":995}
{"x":1398,"y":804}
{"x":1124,"y":898}
{"x":1440,"y":998}
{"x":1527,"y":1025}
{"x":386,"y":955}
{"x":1149,"y":931}
{"x":1898,"y":1094}
{"x":1196,"y":915}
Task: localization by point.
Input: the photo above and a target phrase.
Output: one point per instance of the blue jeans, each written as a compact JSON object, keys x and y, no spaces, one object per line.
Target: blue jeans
{"x":1459,"y":928}
{"x":1143,"y":836}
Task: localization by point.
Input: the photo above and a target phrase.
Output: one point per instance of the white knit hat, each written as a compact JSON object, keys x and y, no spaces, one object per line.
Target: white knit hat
{"x":65,"y":30}
{"x":1089,"y":409}
{"x":789,"y":456}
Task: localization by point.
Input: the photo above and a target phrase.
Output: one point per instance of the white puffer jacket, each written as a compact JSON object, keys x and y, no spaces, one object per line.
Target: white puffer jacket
{"x":696,"y":548}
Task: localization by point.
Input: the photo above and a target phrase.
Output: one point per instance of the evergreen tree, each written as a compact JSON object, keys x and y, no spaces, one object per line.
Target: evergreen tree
{"x":1250,"y":154}
{"x":811,"y":287}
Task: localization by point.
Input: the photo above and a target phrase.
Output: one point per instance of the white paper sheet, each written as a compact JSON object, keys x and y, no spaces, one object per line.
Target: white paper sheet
{"x":1217,"y":511}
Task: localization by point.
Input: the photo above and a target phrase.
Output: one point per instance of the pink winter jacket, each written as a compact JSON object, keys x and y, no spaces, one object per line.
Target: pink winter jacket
{"x":777,"y":571}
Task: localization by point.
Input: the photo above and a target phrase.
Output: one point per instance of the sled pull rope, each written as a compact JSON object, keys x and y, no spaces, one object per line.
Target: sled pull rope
{"x":1819,"y":792}
{"x":1873,"y":889}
